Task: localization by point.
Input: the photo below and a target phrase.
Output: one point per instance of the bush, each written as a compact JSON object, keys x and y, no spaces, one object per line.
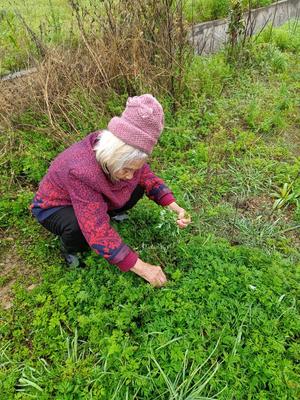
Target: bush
{"x":285,"y":38}
{"x":14,"y":208}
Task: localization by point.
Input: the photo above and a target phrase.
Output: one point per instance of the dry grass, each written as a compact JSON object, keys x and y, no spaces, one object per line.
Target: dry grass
{"x":131,"y":47}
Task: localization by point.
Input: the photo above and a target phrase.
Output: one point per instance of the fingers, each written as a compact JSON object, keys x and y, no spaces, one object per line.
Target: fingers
{"x":160,"y":278}
{"x":151,"y":273}
{"x":183,"y":223}
{"x":181,"y":214}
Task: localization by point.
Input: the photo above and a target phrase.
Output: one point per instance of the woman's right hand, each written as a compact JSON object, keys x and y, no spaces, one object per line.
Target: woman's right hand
{"x":151,"y":273}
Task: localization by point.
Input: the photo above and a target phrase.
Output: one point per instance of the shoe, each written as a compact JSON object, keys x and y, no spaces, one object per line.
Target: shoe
{"x":120,"y":217}
{"x":71,"y":259}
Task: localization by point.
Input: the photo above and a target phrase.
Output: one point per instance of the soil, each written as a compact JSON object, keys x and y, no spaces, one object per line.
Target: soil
{"x":255,"y":205}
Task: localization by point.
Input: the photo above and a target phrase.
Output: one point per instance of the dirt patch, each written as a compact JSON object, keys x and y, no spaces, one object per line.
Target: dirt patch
{"x":13,"y":269}
{"x":255,"y":205}
{"x":263,"y":205}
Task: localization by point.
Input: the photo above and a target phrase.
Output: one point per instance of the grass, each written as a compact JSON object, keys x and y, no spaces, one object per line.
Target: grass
{"x":226,"y":326}
{"x":50,"y":20}
{"x":207,"y":10}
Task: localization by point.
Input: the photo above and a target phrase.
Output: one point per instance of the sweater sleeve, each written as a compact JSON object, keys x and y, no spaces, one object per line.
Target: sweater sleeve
{"x":155,"y":187}
{"x":91,"y":212}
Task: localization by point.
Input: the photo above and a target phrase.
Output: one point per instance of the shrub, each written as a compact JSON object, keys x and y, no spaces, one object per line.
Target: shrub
{"x":285,"y":38}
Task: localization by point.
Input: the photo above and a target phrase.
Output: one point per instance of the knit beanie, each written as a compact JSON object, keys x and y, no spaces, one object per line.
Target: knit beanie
{"x":141,"y":123}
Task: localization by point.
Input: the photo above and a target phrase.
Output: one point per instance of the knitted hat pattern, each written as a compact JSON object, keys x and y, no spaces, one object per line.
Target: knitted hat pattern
{"x":141,"y":123}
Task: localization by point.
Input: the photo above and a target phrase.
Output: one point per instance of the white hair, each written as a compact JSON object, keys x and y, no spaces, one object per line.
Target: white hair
{"x":113,"y":154}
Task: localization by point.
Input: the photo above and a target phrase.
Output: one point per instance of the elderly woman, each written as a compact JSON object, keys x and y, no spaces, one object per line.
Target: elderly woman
{"x":99,"y":178}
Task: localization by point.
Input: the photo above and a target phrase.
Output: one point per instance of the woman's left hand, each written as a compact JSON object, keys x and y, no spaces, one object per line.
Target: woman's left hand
{"x":183,"y":218}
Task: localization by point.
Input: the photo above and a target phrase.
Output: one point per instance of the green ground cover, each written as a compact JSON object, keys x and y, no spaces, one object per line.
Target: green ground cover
{"x":207,"y":10}
{"x":52,"y":22}
{"x":227,"y":324}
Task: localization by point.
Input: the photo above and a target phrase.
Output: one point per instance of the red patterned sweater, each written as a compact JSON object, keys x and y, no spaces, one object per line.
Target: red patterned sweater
{"x":75,"y":178}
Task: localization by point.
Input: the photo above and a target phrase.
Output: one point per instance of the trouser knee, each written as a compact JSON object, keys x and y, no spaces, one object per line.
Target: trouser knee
{"x":73,"y":238}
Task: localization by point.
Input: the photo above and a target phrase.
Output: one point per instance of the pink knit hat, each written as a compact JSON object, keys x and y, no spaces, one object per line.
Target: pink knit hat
{"x":141,"y":123}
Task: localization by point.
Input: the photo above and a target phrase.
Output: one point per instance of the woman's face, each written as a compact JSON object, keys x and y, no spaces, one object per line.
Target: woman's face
{"x":127,"y":172}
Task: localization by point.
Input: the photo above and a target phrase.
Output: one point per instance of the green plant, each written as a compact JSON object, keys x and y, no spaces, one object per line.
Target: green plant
{"x":285,"y":38}
{"x":188,"y":385}
{"x":268,"y":58}
{"x":204,"y":333}
{"x":236,"y":25}
{"x":13,"y":207}
{"x":204,"y":10}
{"x":285,"y":196}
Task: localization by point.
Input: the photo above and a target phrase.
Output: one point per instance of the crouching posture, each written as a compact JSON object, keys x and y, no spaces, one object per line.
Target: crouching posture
{"x":100,"y":178}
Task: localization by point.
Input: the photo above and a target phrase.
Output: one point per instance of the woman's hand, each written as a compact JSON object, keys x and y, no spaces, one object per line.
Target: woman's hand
{"x":183,"y":217}
{"x":151,"y":273}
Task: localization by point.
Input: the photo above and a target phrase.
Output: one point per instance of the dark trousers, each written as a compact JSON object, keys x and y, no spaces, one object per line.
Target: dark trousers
{"x":64,"y":223}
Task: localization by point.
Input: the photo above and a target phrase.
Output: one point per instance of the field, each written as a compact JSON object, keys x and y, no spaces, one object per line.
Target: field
{"x":226,"y":325}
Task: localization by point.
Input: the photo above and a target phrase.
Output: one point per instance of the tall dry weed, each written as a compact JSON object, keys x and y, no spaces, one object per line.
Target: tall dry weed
{"x":124,"y":47}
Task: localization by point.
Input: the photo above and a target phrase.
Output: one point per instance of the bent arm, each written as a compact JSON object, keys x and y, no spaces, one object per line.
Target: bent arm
{"x":91,"y":212}
{"x":155,"y":187}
